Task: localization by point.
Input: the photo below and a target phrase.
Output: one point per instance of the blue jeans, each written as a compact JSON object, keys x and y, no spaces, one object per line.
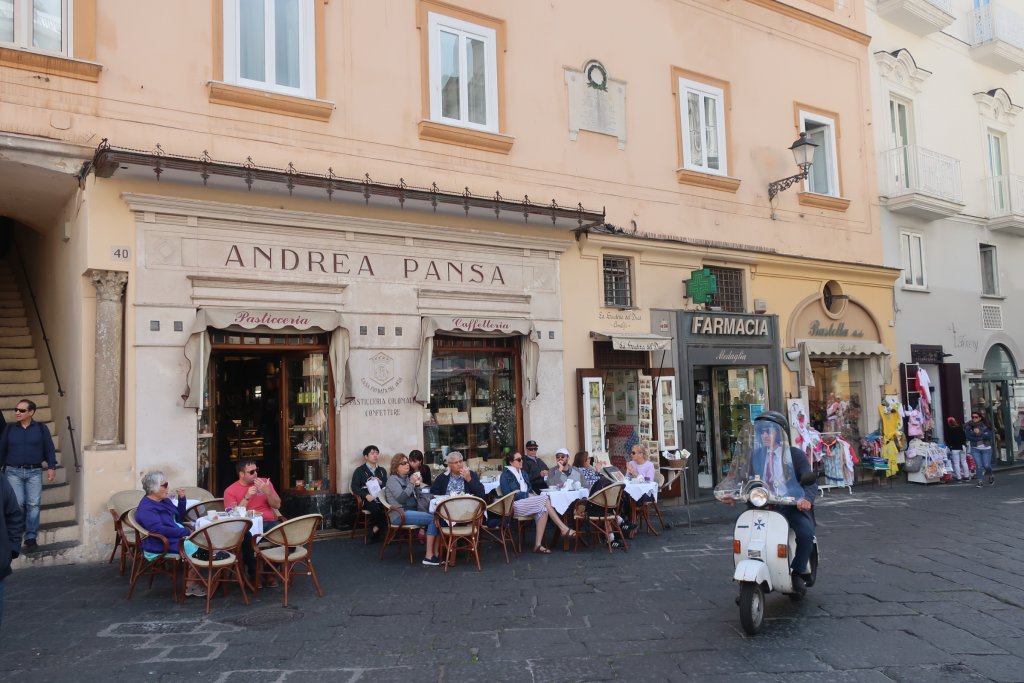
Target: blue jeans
{"x":424,"y":518}
{"x":982,"y":461}
{"x":28,"y":489}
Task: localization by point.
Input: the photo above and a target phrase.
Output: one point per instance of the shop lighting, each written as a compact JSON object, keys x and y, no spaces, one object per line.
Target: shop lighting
{"x":803,"y":155}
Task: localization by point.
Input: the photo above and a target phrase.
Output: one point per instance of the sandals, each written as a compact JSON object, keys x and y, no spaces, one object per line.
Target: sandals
{"x":569,"y":533}
{"x":542,"y":550}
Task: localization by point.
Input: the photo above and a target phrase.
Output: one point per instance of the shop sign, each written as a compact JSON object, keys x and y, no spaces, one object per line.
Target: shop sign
{"x":839,"y":329}
{"x":481,"y":325}
{"x":927,"y":353}
{"x":736,"y":326}
{"x":256,"y":318}
{"x":382,"y":374}
{"x":698,"y":355}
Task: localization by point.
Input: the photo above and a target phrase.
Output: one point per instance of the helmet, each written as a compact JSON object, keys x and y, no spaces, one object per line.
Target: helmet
{"x":774,"y":416}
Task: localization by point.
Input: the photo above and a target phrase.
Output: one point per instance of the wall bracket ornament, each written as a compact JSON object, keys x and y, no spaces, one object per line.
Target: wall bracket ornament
{"x":997,"y":106}
{"x":899,"y":67}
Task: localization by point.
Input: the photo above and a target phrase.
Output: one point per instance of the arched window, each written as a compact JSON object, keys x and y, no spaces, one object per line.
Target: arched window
{"x":999,"y":362}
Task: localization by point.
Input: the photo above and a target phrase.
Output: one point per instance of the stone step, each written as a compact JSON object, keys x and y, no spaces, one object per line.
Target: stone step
{"x":57,"y":512}
{"x":27,"y":363}
{"x":66,"y":552}
{"x":20,"y":376}
{"x":17,"y":352}
{"x":9,"y":332}
{"x":55,"y":493}
{"x":7,"y":321}
{"x":12,"y":312}
{"x":21,"y":389}
{"x":22,"y":341}
{"x":8,"y":403}
{"x":61,"y":532}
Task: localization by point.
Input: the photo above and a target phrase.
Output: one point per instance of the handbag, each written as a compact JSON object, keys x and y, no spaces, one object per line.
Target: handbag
{"x":203,"y":555}
{"x":913,"y":464}
{"x":423,"y":501}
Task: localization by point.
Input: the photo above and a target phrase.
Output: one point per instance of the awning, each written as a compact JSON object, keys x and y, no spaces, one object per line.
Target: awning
{"x":197,"y":348}
{"x":846,"y":349}
{"x":634,"y":341}
{"x":466,"y":326}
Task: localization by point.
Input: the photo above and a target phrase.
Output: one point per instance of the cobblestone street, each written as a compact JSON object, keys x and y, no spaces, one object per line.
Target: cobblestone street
{"x":916,"y":584}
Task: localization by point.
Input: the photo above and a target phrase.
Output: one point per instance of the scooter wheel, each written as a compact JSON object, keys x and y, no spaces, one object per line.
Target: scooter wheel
{"x":751,"y":608}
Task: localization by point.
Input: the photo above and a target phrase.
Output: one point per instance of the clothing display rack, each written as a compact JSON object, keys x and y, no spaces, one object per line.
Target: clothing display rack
{"x":831,"y":481}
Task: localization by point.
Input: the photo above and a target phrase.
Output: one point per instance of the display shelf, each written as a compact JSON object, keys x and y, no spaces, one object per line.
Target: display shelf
{"x":307,"y":467}
{"x":465,"y":405}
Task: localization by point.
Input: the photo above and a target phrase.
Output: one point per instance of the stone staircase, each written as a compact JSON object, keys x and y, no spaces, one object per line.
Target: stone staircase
{"x":20,"y":378}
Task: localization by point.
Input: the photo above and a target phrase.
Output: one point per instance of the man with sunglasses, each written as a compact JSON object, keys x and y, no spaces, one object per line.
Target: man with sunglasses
{"x":534,"y":468}
{"x":26,"y":449}
{"x":259,"y":496}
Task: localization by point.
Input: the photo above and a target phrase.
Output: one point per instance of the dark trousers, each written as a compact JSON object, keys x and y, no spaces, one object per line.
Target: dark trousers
{"x":802,"y":524}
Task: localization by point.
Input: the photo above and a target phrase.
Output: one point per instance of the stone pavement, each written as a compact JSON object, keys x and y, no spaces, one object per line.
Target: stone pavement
{"x":916,"y":584}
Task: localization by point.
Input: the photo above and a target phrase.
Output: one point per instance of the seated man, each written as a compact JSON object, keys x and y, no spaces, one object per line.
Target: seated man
{"x":458,"y":480}
{"x":366,"y":472}
{"x":259,"y":496}
{"x":770,"y":464}
{"x":563,"y":471}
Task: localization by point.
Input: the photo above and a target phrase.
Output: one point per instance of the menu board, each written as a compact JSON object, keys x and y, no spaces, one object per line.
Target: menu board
{"x":645,"y":395}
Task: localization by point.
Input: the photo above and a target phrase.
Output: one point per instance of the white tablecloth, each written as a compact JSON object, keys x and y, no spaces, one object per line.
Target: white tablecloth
{"x":561,"y":500}
{"x":637,"y":491}
{"x":189,"y":502}
{"x":434,"y":502}
{"x":257,"y":523}
{"x":490,"y":485}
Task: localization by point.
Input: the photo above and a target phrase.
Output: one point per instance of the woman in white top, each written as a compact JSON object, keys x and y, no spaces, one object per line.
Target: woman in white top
{"x":529,"y":502}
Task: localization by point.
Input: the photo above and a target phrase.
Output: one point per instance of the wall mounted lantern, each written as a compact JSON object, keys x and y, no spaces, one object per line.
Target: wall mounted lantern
{"x":803,"y":155}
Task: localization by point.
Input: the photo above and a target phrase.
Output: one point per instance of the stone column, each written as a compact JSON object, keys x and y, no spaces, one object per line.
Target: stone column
{"x":109,"y":286}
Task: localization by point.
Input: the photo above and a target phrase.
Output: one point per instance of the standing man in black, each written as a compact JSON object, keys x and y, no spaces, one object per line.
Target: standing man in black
{"x":12,"y":525}
{"x":534,"y":468}
{"x":371,"y":471}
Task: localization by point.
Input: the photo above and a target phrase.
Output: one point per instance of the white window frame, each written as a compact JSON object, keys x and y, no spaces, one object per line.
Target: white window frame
{"x":435,"y":23}
{"x":990,"y":249}
{"x":828,"y":149}
{"x":307,"y":51}
{"x":703,"y":90}
{"x":23,"y":28}
{"x":910,"y":241}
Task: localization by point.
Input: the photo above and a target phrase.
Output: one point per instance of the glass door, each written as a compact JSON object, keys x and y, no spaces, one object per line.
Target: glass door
{"x":668,"y":421}
{"x":307,"y":463}
{"x":740,"y":395}
{"x":594,"y":425}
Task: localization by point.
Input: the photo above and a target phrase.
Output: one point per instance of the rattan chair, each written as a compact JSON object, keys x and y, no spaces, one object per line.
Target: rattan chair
{"x":200,"y":509}
{"x":198,"y":493}
{"x":292,"y":544}
{"x":362,"y":520}
{"x":225,"y":536}
{"x":402,"y":532}
{"x":118,"y":504}
{"x":648,"y":506}
{"x":458,"y":520}
{"x":502,"y":508}
{"x":603,"y":515}
{"x":165,"y":562}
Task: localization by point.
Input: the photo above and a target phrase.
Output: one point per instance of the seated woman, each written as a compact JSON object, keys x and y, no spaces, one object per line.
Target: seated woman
{"x":529,"y":502}
{"x":581,"y":463}
{"x":403,"y":490}
{"x":640,"y":466}
{"x":416,"y":464}
{"x":156,"y":514}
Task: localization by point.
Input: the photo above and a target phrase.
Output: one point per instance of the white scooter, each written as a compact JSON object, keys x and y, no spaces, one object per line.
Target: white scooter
{"x":762,"y":547}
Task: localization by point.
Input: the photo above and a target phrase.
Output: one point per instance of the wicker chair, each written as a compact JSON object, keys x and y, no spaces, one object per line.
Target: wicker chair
{"x":226,"y":536}
{"x":458,"y":520}
{"x":200,"y":509}
{"x":166,"y":562}
{"x":649,"y":505}
{"x":603,"y":514}
{"x":197,"y":493}
{"x":401,"y":531}
{"x":291,"y":544}
{"x":117,"y":505}
{"x":362,"y":520}
{"x":502,"y":508}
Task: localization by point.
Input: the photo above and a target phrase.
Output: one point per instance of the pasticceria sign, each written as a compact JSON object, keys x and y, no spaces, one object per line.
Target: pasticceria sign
{"x":731,"y":325}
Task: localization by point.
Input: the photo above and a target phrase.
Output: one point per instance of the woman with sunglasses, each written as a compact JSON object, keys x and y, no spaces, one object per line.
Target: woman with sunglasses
{"x":528,"y":502}
{"x":979,"y":436}
{"x":157,"y":515}
{"x":404,"y":490}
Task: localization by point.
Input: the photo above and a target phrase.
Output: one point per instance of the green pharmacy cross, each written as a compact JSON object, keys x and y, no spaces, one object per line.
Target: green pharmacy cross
{"x":701,"y":286}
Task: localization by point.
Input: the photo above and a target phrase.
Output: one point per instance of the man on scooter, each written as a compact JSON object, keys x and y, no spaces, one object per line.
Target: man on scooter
{"x":772,"y":432}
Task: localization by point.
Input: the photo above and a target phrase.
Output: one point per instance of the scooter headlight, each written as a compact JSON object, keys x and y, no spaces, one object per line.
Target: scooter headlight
{"x":759,"y":497}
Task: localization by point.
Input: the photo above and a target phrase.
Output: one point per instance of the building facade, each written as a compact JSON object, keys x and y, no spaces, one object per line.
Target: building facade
{"x":947,"y":83}
{"x":287,"y":235}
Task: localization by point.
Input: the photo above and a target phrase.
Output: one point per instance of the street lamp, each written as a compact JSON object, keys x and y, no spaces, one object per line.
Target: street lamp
{"x":803,"y":155}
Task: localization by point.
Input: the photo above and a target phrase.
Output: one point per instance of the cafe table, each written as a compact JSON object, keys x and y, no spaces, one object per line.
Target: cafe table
{"x":257,"y":522}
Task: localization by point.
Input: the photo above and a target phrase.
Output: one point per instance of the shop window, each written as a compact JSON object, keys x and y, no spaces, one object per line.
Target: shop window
{"x":730,"y":295}
{"x":833,"y":298}
{"x":824,"y":174}
{"x":836,"y":399}
{"x":35,"y":24}
{"x":912,"y":247}
{"x":702,"y":115}
{"x":474,"y":398}
{"x":618,"y":282}
{"x":271,"y":45}
{"x":463,"y":72}
{"x":607,"y":357}
{"x":989,"y":270}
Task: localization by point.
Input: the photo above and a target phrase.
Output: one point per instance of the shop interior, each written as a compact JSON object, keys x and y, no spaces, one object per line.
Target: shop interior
{"x":835,"y":400}
{"x":726,"y":399}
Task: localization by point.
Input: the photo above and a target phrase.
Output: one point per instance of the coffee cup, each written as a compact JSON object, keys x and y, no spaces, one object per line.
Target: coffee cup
{"x":212,"y":514}
{"x":240,"y":509}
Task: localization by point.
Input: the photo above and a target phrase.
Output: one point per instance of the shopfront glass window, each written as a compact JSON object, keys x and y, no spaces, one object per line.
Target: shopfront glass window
{"x":740,"y":395}
{"x":836,"y":399}
{"x":474,"y":398}
{"x":308,"y":417}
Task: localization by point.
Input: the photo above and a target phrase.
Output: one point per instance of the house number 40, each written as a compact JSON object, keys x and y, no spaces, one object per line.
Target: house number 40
{"x":119,"y":253}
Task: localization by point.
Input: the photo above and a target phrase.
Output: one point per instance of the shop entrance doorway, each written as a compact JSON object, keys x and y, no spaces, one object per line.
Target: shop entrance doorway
{"x":270,"y":402}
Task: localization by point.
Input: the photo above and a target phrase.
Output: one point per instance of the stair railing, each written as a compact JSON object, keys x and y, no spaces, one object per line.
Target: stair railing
{"x":49,"y":351}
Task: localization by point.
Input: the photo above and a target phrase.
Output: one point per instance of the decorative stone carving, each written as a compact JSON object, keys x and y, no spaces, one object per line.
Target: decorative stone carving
{"x":899,"y":67}
{"x":997,"y":106}
{"x":109,"y":286}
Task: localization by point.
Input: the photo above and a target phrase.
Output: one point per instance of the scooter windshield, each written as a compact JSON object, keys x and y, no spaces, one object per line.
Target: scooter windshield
{"x":762,"y":451}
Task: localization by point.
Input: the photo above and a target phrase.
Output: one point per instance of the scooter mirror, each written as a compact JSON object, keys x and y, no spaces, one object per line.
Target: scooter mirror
{"x":808,"y":478}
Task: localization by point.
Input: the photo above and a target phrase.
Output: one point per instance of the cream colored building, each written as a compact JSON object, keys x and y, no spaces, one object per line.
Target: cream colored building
{"x":392,"y":223}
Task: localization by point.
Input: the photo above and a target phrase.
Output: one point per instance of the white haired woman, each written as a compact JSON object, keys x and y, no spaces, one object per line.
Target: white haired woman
{"x":158,"y":515}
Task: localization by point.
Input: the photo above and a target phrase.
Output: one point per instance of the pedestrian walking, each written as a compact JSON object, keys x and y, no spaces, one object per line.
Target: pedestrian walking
{"x":979,"y":436}
{"x":26,"y":449}
{"x":12,"y":525}
{"x":956,"y":441}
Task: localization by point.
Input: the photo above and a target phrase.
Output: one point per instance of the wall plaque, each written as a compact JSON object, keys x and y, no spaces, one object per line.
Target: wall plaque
{"x":596,"y":102}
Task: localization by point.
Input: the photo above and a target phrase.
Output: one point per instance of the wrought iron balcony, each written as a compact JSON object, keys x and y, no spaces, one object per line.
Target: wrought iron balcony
{"x":997,"y":36}
{"x":918,"y":16}
{"x":1006,"y":203}
{"x":922,"y":183}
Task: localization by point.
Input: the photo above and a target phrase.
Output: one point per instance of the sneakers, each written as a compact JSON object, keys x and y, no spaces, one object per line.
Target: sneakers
{"x":981,"y":482}
{"x":434,"y":561}
{"x":991,"y":480}
{"x":196,"y":591}
{"x":31,"y":544}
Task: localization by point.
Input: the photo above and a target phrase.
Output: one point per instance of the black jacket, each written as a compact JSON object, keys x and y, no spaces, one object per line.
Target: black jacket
{"x":955,"y":438}
{"x":473,"y":486}
{"x":12,"y":526}
{"x":362,"y":475}
{"x":532,"y":472}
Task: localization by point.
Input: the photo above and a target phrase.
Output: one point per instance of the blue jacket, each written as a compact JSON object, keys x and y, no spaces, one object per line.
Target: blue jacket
{"x":160,"y":518}
{"x":800,"y":465}
{"x":983,"y":438}
{"x":508,"y":483}
{"x":473,"y":486}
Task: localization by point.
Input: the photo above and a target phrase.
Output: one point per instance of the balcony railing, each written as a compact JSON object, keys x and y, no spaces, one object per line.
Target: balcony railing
{"x":944,"y":5}
{"x":996,"y":21}
{"x":914,"y":169}
{"x":1005,"y":195}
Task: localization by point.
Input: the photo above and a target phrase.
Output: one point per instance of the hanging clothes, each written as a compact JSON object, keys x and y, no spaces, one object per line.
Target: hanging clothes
{"x":915,"y":423}
{"x":832,"y":455}
{"x":924,"y":383}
